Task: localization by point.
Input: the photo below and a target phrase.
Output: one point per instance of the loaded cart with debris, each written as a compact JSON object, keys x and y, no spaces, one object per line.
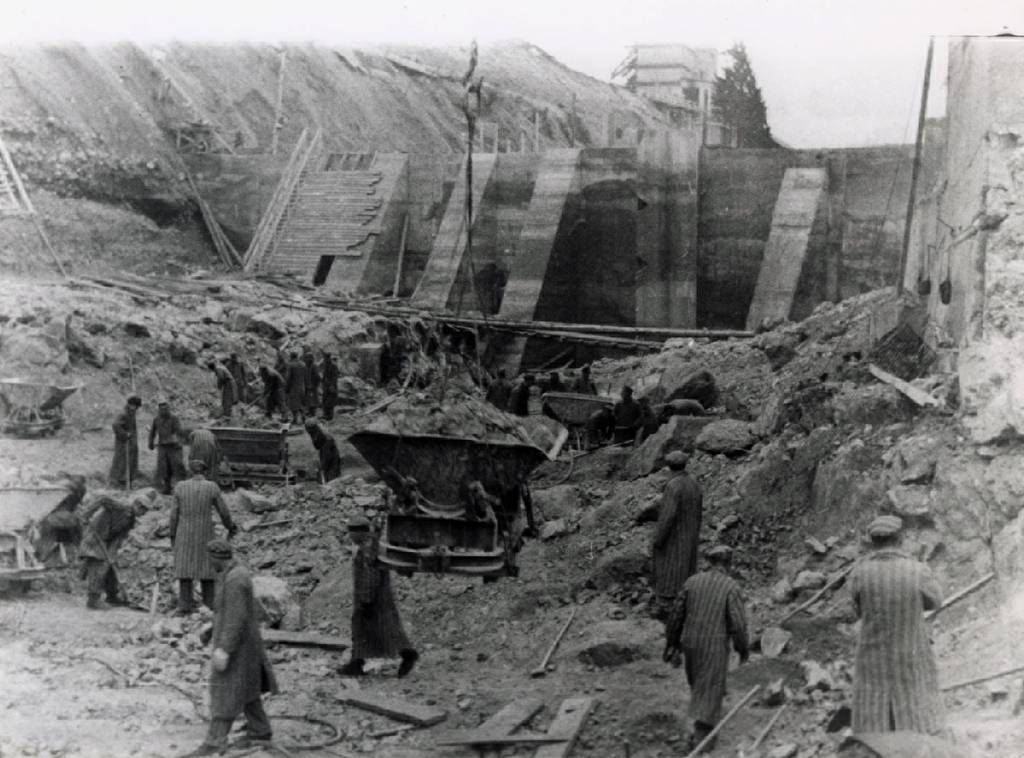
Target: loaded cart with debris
{"x":457,"y":471}
{"x":21,"y":509}
{"x":252,"y":455}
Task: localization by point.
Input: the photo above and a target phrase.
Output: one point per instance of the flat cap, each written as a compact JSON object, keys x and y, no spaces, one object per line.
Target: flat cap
{"x":359,"y":524}
{"x":162,"y":401}
{"x":135,"y":400}
{"x":219,"y":548}
{"x":676,"y":459}
{"x":310,"y":424}
{"x":197,"y":464}
{"x":885,"y":526}
{"x":719,"y":553}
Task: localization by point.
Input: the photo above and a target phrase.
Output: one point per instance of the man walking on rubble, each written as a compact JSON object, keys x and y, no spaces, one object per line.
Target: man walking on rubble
{"x":295,"y":387}
{"x":273,"y":390}
{"x":312,"y":385}
{"x":191,"y":528}
{"x":124,"y":469}
{"x":895,"y":680}
{"x":330,"y":386}
{"x":327,"y":450}
{"x":376,"y":626}
{"x":226,"y":385}
{"x":241,"y":671}
{"x":628,"y":416}
{"x":165,"y":436}
{"x":499,"y":390}
{"x":240,"y":373}
{"x":107,"y":529}
{"x":203,"y":446}
{"x":706,"y":615}
{"x":677,"y":535}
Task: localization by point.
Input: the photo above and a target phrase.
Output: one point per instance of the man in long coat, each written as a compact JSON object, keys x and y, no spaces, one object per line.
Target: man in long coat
{"x":377,"y":630}
{"x":312,"y":384}
{"x":241,"y":672}
{"x":107,"y":529}
{"x":499,"y":390}
{"x":226,"y":386}
{"x":240,"y":373}
{"x":295,"y":387}
{"x":707,"y":614}
{"x":330,"y":386}
{"x":191,"y":528}
{"x":273,"y":391}
{"x":677,"y":535}
{"x":203,"y":446}
{"x":166,"y":436}
{"x":124,"y":469}
{"x":895,"y":681}
{"x":327,"y":450}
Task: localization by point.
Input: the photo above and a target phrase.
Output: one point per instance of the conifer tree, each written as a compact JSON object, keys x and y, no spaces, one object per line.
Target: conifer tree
{"x":738,"y":101}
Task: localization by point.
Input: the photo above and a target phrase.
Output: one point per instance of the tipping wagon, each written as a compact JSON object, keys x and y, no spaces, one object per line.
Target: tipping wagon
{"x":32,"y":409}
{"x":21,"y":508}
{"x":574,"y":410}
{"x":249,"y":455}
{"x":460,"y":505}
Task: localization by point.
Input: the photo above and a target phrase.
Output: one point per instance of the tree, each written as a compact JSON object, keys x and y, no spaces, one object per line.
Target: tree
{"x":738,"y":101}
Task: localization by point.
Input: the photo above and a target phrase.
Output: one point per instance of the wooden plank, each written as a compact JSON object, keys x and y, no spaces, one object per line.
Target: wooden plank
{"x":568,"y":724}
{"x":512,"y":716}
{"x":918,"y":396}
{"x":496,"y":739}
{"x":400,"y":710}
{"x":304,"y":639}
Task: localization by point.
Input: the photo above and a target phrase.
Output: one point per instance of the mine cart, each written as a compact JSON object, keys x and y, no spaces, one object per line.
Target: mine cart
{"x":460,"y":505}
{"x":21,"y":509}
{"x":574,"y":410}
{"x":253,"y":455}
{"x":30,"y":409}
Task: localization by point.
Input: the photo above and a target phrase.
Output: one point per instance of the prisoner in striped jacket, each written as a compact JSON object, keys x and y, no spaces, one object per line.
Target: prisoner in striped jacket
{"x":708,"y":614}
{"x":195,"y":500}
{"x":895,"y":685}
{"x":202,"y":446}
{"x":677,"y":534}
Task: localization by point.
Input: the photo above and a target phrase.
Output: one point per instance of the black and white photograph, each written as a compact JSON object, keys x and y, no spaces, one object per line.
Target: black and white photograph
{"x":520,"y":379}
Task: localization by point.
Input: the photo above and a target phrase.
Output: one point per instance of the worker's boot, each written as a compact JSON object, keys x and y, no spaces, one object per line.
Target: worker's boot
{"x":409,"y":658}
{"x":94,"y":602}
{"x":352,"y":668}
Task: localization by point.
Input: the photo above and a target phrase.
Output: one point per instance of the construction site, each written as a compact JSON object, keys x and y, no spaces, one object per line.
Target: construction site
{"x":434,"y":219}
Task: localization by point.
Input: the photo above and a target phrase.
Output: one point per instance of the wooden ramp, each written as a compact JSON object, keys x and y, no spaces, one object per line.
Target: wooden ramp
{"x":784,"y":255}
{"x":555,"y":178}
{"x":442,"y":269}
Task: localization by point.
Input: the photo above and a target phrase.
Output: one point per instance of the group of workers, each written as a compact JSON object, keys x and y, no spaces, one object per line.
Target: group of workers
{"x":895,"y":676}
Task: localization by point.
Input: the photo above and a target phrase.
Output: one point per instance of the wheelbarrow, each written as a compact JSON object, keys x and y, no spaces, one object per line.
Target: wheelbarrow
{"x":21,"y":509}
{"x":32,"y":409}
{"x":431,"y":525}
{"x":574,"y":411}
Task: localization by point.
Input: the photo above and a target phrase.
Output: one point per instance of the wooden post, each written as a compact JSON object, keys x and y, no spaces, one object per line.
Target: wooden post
{"x":916,"y":169}
{"x":536,"y":131}
{"x":735,"y":709}
{"x":280,"y":102}
{"x":401,"y":258}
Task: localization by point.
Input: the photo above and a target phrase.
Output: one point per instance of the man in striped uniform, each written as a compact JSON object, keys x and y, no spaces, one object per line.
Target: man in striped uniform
{"x":377,"y":630}
{"x":191,"y":529}
{"x":895,"y":681}
{"x":241,"y":671}
{"x":202,"y":446}
{"x":677,"y":534}
{"x":707,"y":614}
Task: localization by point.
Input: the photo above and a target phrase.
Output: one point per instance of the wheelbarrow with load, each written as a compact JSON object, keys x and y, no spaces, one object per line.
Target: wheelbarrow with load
{"x":21,"y":510}
{"x":574,"y":411}
{"x":32,"y":409}
{"x":460,"y":505}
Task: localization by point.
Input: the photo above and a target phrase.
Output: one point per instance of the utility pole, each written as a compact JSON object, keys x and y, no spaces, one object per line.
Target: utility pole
{"x":904,"y":252}
{"x":280,"y":101}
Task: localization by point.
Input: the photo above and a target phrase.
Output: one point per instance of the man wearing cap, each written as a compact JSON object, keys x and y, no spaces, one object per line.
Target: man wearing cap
{"x":166,"y":435}
{"x":226,"y":385}
{"x":191,"y":528}
{"x":327,"y":449}
{"x":677,"y":535}
{"x":124,"y":469}
{"x":628,"y":417}
{"x":241,"y":672}
{"x":519,"y":396}
{"x":377,"y":630}
{"x":273,"y":391}
{"x":107,"y":529}
{"x":295,"y":387}
{"x":241,"y":374}
{"x":203,"y":446}
{"x":312,"y":384}
{"x":707,"y":614}
{"x":895,"y":681}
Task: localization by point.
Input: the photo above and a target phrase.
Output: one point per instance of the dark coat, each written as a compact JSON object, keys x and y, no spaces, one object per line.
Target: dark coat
{"x":330,"y":458}
{"x":126,"y":448}
{"x":236,"y":632}
{"x":677,"y":535}
{"x":377,"y":630}
{"x":202,"y":446}
{"x":228,"y":389}
{"x":295,"y":385}
{"x":498,"y":393}
{"x":330,"y":381}
{"x":895,"y":674}
{"x":519,"y":400}
{"x":312,"y":383}
{"x":105,"y":532}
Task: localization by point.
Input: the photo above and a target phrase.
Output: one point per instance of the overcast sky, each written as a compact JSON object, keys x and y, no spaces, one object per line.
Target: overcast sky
{"x":832,"y":73}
